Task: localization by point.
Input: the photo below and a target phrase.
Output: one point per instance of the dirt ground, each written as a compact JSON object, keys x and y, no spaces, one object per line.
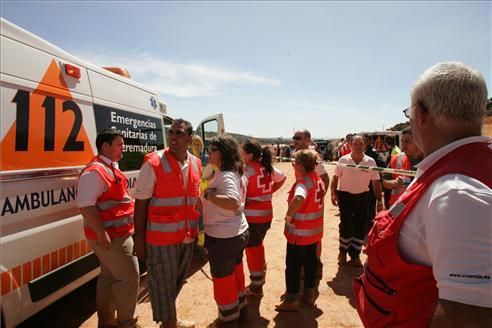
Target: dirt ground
{"x":334,"y":306}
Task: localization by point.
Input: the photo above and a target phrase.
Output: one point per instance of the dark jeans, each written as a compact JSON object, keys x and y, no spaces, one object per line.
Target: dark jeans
{"x":225,"y":253}
{"x":257,"y":233}
{"x":297,"y":257}
{"x":353,"y":218}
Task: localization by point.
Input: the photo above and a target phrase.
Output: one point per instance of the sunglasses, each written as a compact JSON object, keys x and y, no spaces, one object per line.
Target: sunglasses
{"x":296,"y":138}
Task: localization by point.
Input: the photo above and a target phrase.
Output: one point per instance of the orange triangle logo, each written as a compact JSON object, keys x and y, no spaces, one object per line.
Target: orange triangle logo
{"x":51,"y":131}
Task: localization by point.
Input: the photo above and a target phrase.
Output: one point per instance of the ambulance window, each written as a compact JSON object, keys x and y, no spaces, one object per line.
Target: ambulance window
{"x":142,"y":133}
{"x":209,"y":131}
{"x":167,"y":124}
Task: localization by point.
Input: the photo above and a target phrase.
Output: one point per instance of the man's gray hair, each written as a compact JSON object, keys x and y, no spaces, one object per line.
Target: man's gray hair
{"x":454,"y":93}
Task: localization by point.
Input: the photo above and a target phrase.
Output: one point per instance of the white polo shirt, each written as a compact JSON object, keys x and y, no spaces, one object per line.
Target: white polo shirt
{"x":91,"y":185}
{"x":355,"y":180}
{"x":450,"y":229}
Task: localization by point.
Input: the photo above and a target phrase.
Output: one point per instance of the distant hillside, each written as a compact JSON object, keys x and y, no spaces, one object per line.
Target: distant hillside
{"x":264,"y":141}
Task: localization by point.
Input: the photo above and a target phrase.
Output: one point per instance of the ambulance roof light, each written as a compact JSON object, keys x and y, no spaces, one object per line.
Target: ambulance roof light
{"x":162,"y":108}
{"x":118,"y":70}
{"x":72,"y":71}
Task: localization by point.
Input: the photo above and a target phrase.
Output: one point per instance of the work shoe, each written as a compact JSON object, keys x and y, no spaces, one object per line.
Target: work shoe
{"x":342,"y":258}
{"x":309,"y":295}
{"x":356,"y":262}
{"x":288,"y":306}
{"x":254,"y":290}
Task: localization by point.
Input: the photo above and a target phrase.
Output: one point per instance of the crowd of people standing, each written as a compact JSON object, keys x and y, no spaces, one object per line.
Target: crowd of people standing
{"x":428,"y":255}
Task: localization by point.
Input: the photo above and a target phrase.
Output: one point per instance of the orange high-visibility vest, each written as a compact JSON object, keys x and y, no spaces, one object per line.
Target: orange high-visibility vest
{"x":171,"y":214}
{"x":258,"y":207}
{"x":308,"y":220}
{"x":398,"y":161}
{"x":115,"y":206}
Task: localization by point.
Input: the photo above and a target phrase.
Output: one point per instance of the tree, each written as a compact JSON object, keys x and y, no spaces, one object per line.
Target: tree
{"x":400,"y":126}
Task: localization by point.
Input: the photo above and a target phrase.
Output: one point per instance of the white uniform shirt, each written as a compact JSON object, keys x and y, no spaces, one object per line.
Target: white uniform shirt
{"x":91,"y":185}
{"x":146,"y":180}
{"x":355,"y":180}
{"x":450,"y":229}
{"x":219,"y":222}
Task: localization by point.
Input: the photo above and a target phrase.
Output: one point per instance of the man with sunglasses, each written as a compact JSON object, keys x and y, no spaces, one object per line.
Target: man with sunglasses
{"x":107,"y":208}
{"x":302,"y":140}
{"x":429,"y":258}
{"x":166,"y":220}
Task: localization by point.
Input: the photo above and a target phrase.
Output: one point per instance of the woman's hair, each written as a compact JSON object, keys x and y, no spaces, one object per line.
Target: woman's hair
{"x":229,"y":152}
{"x":196,"y":145}
{"x":262,"y":155}
{"x":307,"y":158}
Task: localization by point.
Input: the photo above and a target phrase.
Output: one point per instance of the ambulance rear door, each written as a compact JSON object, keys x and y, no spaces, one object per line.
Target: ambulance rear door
{"x":207,"y":129}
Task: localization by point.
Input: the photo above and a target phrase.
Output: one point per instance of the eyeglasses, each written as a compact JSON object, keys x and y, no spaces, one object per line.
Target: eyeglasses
{"x":406,"y":112}
{"x":178,"y":133}
{"x":211,"y":149}
{"x":296,"y":138}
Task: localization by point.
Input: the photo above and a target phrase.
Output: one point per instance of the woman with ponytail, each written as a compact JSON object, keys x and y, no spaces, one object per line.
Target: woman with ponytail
{"x":262,"y":181}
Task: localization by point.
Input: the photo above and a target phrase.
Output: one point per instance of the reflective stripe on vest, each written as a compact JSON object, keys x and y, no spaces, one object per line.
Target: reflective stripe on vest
{"x":108,"y":170}
{"x":307,"y":217}
{"x":115,"y":223}
{"x":257,"y":212}
{"x":112,"y":203}
{"x":305,"y":232}
{"x":170,"y":227}
{"x":264,"y":198}
{"x":309,"y":183}
{"x":175,"y":201}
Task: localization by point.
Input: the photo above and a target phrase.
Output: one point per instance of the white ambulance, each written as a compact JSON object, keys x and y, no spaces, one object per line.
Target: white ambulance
{"x":52,"y":104}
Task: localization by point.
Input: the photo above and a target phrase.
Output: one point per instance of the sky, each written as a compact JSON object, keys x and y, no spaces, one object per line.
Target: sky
{"x":271,"y":67}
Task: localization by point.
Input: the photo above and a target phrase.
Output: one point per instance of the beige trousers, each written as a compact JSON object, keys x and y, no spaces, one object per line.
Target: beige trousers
{"x":117,"y":285}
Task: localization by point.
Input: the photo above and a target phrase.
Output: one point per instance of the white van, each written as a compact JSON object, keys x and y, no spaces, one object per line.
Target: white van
{"x":52,"y":105}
